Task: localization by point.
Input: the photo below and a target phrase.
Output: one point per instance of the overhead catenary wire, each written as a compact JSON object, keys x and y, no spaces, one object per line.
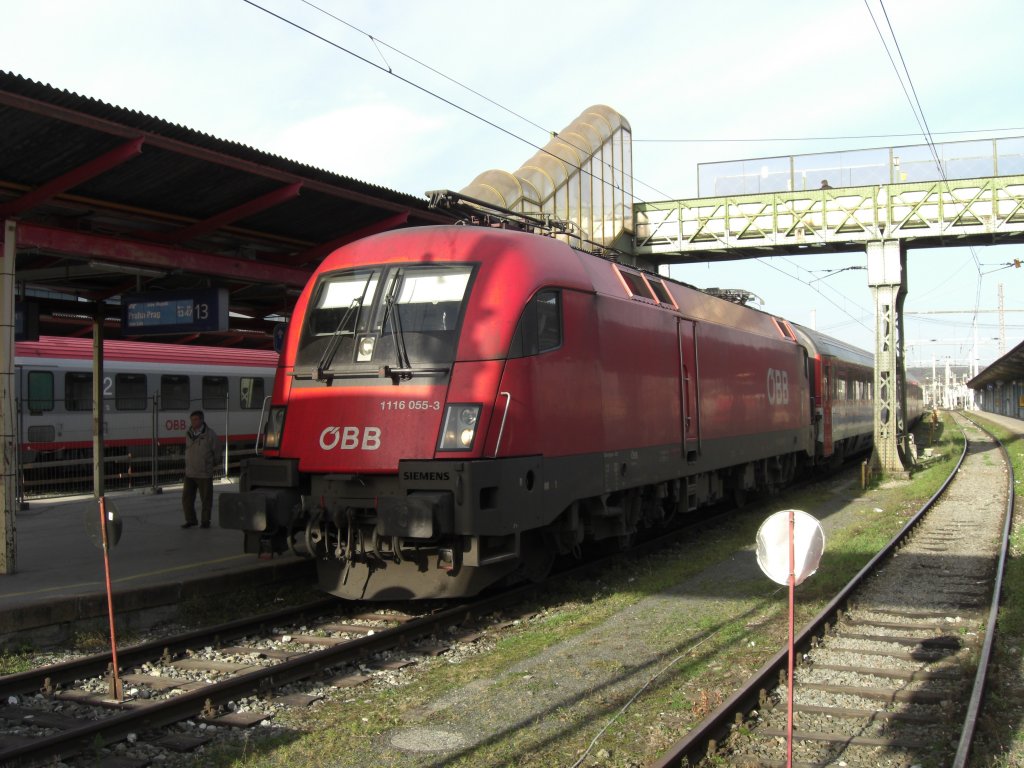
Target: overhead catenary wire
{"x":918,"y":110}
{"x":915,"y":104}
{"x":820,"y":293}
{"x":465,"y":110}
{"x":852,"y":137}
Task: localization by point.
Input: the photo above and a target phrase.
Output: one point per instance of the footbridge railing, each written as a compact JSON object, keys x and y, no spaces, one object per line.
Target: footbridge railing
{"x":953,"y":212}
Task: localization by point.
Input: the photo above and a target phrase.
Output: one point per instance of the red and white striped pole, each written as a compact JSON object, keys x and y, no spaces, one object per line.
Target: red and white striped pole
{"x":116,"y":687}
{"x":789,"y":684}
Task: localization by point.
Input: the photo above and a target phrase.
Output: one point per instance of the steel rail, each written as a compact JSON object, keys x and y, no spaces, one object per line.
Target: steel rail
{"x":963,"y":749}
{"x":93,"y":665}
{"x":694,"y":745}
{"x":136,"y":717}
{"x":97,"y":664}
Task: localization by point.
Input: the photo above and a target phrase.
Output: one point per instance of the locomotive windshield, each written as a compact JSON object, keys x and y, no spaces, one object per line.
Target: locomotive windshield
{"x":396,"y":320}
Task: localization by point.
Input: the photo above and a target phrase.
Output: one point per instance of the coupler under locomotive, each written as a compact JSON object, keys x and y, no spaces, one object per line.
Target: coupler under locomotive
{"x":436,"y":529}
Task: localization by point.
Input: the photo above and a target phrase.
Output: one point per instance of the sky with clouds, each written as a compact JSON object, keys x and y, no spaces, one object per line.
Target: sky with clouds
{"x":383,"y":91}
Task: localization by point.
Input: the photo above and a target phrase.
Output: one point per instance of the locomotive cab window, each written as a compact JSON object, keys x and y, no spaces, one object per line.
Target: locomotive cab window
{"x":540,"y":327}
{"x":403,"y":316}
{"x":342,"y":303}
{"x":215,"y":393}
{"x":40,"y":391}
{"x":130,"y":392}
{"x":78,"y":391}
{"x":174,"y":393}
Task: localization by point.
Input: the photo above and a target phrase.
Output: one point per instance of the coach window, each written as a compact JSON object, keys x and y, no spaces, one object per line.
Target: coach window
{"x":540,"y":327}
{"x":130,"y":392}
{"x":40,"y":391}
{"x":215,"y":393}
{"x":250,"y":392}
{"x":78,"y":391}
{"x":174,"y":394}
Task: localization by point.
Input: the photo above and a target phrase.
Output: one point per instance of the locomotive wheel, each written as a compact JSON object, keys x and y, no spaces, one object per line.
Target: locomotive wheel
{"x":739,"y":497}
{"x":537,"y":556}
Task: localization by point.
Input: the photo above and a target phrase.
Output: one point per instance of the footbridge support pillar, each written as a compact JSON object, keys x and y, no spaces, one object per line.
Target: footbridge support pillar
{"x":887,"y":277}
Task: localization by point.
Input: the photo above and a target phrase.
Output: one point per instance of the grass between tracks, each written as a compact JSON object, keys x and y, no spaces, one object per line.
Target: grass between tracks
{"x":192,"y":613}
{"x":739,"y":634}
{"x":1000,"y":739}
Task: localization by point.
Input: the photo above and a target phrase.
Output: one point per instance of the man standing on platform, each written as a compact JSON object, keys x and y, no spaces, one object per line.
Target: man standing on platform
{"x":202,"y":457}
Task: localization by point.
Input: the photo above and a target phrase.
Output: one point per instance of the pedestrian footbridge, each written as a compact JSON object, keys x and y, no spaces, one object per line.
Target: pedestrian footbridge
{"x":981,"y":211}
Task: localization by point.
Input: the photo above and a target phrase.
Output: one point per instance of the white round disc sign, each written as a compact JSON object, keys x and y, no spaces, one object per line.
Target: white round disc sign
{"x":773,"y":546}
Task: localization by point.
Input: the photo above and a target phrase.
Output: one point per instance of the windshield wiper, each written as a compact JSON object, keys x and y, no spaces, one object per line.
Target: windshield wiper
{"x":323,"y":366}
{"x":404,"y":369}
{"x":332,"y":347}
{"x":397,"y":333}
{"x":391,"y":312}
{"x":397,"y":374}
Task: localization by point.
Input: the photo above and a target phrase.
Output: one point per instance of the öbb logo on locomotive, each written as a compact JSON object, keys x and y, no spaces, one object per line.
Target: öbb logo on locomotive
{"x":347,"y":438}
{"x":778,"y":387}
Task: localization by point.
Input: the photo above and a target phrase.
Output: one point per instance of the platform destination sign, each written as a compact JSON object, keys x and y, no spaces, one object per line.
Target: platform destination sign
{"x":169,"y":312}
{"x":26,"y":321}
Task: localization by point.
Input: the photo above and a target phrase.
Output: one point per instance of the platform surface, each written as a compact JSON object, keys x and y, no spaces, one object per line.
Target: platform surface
{"x":57,"y":561}
{"x":1014,"y":425}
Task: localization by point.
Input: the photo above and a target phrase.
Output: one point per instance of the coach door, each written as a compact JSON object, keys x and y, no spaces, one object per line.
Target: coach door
{"x":689,"y":391}
{"x":826,"y":405}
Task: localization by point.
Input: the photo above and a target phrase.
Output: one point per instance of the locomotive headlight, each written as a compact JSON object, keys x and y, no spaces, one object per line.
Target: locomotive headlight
{"x":458,"y":429}
{"x":275,"y":425}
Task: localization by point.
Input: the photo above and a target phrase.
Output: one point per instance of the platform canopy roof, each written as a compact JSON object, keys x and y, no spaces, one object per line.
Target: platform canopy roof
{"x":109,"y":201}
{"x":1009,"y":367}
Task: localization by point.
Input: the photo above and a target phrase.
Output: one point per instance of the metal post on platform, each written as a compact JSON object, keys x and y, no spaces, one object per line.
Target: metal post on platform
{"x":98,"y":464}
{"x":154,"y":448}
{"x":227,"y":428}
{"x":887,"y":277}
{"x":8,"y":442}
{"x":116,"y":687}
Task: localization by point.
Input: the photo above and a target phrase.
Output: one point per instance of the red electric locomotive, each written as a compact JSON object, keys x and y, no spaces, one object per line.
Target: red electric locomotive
{"x":456,"y":405}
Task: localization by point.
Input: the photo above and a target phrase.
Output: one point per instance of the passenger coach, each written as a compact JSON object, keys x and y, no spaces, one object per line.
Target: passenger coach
{"x":148,"y":391}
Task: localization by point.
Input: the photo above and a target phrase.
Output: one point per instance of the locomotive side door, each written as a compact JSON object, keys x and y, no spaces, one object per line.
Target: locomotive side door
{"x":826,"y":405}
{"x":689,"y":390}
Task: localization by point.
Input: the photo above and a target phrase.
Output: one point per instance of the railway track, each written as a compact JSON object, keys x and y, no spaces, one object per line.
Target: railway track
{"x":893,"y":670}
{"x":199,"y":676}
{"x":66,"y":709}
